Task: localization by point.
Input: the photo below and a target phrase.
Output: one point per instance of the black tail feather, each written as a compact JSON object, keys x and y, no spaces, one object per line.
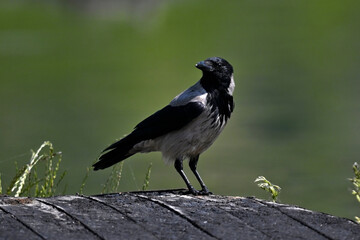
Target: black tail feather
{"x":110,"y":158}
{"x":117,"y":143}
{"x":115,"y":153}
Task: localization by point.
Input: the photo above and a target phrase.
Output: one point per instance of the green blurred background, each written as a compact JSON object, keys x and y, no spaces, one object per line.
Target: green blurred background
{"x":81,"y":74}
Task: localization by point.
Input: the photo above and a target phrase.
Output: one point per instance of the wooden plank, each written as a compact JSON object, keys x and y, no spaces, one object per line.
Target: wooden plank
{"x":11,"y":228}
{"x":334,"y":227}
{"x":165,"y":215}
{"x":44,"y":220}
{"x":163,"y":223}
{"x":102,"y":220}
{"x":268,"y":220}
{"x":218,"y":222}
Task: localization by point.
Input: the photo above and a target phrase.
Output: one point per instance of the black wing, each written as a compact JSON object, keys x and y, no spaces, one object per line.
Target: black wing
{"x":168,"y":119}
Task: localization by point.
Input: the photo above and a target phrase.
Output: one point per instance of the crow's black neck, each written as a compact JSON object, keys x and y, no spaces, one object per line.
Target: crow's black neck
{"x":218,"y":98}
{"x":209,"y":82}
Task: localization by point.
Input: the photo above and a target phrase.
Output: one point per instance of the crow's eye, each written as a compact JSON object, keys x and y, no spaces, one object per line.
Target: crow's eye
{"x":216,"y":65}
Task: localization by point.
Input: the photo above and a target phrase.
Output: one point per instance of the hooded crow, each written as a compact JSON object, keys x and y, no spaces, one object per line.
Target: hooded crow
{"x":186,"y":127}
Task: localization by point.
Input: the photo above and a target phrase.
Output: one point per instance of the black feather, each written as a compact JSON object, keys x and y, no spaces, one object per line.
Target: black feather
{"x":166,"y":120}
{"x":222,"y":104}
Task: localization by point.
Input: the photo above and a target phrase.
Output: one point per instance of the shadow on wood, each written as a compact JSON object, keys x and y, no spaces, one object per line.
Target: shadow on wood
{"x":165,"y":215}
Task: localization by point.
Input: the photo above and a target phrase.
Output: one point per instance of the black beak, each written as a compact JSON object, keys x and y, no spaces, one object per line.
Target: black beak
{"x":204,"y":66}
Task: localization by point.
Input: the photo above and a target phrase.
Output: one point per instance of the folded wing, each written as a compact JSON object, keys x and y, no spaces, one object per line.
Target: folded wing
{"x":166,"y":120}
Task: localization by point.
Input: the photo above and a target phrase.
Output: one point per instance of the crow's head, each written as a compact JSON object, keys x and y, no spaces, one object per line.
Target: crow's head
{"x":217,"y":73}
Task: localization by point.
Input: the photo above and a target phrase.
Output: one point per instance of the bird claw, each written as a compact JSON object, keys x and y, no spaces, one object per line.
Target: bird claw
{"x":192,"y":191}
{"x":202,"y":192}
{"x":205,"y":192}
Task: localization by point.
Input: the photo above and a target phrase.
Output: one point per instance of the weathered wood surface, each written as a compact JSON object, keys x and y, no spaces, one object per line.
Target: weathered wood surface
{"x":165,"y":215}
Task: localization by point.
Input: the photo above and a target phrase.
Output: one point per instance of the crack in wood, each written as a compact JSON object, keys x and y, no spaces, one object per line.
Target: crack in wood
{"x":295,"y":219}
{"x":23,"y":223}
{"x":245,"y":223}
{"x":177,"y":212}
{"x":71,"y":216}
{"x":117,"y":210}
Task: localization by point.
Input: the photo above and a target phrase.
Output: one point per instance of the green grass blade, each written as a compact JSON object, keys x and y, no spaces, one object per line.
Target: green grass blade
{"x":35,"y":158}
{"x":117,"y":176}
{"x":18,"y":174}
{"x":26,"y":178}
{"x":113,"y":181}
{"x":84,"y":180}
{"x":147,"y":178}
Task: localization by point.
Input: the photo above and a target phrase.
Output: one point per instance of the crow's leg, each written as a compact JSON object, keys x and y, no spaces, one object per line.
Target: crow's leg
{"x":179,"y":168}
{"x":193,"y":164}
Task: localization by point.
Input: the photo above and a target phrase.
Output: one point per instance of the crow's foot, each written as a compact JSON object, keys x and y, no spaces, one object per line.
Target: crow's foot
{"x":192,"y":191}
{"x":205,"y":192}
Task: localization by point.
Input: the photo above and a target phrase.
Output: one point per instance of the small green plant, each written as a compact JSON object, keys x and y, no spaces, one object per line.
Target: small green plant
{"x":112,"y":183}
{"x":266,"y":185}
{"x":84,"y":180}
{"x":147,"y":178}
{"x":356,"y":182}
{"x":26,"y":179}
